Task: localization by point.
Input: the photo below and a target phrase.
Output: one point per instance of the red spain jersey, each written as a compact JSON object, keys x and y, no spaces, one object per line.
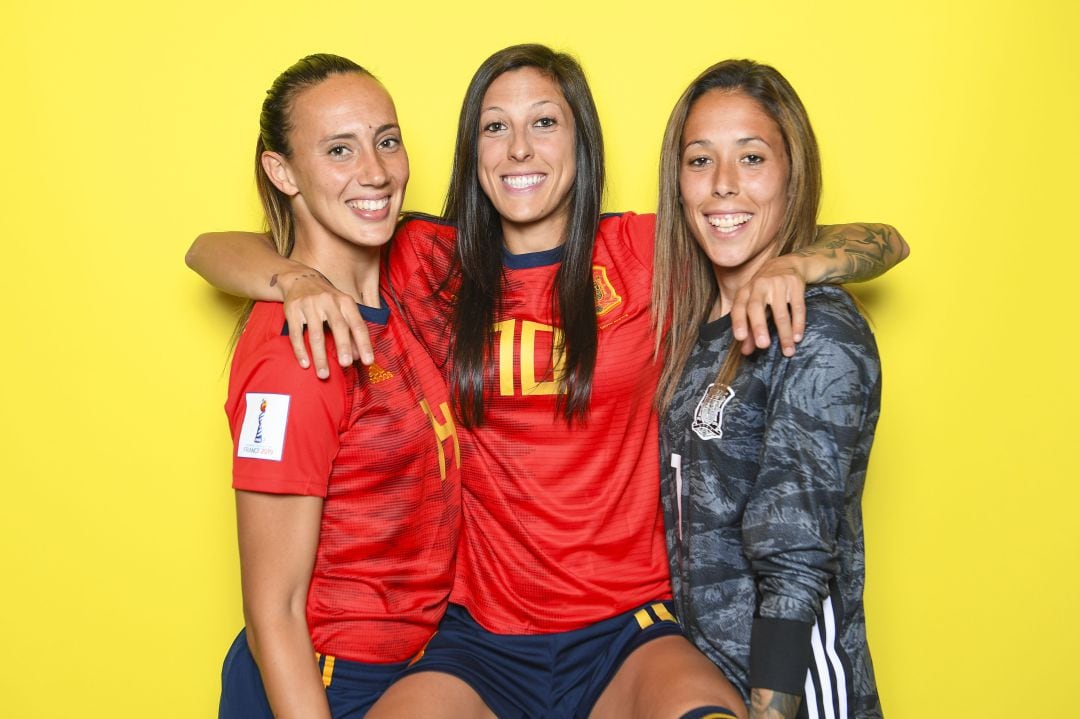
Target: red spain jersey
{"x":562,"y":525}
{"x":379,"y":444}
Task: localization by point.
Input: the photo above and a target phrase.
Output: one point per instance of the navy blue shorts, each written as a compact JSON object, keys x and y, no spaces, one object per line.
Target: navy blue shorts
{"x":542,"y":675}
{"x":351,"y":687}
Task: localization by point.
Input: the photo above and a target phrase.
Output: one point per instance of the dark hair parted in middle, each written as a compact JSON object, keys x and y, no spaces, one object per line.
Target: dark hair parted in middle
{"x":684,"y":285}
{"x":478,"y":258}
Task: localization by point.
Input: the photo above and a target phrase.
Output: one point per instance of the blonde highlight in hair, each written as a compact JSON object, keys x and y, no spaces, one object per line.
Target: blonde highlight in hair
{"x":684,"y":285}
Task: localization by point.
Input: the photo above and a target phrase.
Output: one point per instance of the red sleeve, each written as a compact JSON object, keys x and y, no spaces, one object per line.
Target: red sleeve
{"x":285,"y":421}
{"x":638,"y":232}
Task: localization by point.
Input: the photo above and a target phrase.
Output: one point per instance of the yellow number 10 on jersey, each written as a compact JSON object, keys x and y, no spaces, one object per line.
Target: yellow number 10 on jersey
{"x":506,"y":331}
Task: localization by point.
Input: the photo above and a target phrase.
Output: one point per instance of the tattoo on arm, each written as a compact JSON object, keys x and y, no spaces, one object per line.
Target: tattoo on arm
{"x":311,"y":274}
{"x":856,"y":252}
{"x":767,"y":704}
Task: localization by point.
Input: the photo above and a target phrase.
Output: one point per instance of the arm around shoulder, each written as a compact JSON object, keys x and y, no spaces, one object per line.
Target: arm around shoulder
{"x":244,"y":264}
{"x":852,"y":253}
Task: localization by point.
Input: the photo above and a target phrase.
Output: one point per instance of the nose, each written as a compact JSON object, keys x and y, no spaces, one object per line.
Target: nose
{"x":370,"y":169}
{"x":520,"y":147}
{"x":725,"y":180}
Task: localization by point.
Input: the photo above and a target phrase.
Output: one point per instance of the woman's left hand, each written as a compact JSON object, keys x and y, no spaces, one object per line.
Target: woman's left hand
{"x":780,"y":287}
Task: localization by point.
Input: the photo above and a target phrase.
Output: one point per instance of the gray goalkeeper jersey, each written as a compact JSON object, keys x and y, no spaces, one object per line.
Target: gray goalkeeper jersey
{"x":762,"y":489}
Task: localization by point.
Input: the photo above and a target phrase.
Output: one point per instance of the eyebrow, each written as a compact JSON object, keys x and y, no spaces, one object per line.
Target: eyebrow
{"x":536,"y":104}
{"x":353,"y":136}
{"x":740,"y":142}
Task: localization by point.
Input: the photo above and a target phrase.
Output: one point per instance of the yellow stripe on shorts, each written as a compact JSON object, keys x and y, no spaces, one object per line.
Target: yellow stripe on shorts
{"x":664,"y":615}
{"x":643,"y":618}
{"x":328,"y":671}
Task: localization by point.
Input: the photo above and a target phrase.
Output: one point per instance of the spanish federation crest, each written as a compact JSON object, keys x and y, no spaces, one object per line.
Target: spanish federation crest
{"x":709,"y":415}
{"x":603,"y":291}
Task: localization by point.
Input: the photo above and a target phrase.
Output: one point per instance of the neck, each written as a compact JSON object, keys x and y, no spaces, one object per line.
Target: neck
{"x":522,"y":238}
{"x":353,"y":269}
{"x":729,"y":280}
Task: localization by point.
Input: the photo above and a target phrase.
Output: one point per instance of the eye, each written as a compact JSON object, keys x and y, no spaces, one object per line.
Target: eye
{"x":494,"y":126}
{"x":339,"y":151}
{"x":753,"y":159}
{"x":546,"y":122}
{"x":698,"y":161}
{"x":389,"y":144}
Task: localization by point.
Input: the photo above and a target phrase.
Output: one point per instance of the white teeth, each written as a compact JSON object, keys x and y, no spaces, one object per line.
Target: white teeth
{"x":368,"y":205}
{"x":520,"y":182}
{"x":728,"y":222}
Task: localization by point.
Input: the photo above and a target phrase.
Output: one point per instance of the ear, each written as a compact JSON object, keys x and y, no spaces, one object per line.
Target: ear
{"x":276,"y":167}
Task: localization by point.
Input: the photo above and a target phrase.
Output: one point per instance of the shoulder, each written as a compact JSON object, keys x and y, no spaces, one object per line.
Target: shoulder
{"x":831,"y":313}
{"x":628,"y":226}
{"x":422,"y":243}
{"x":264,"y":355}
{"x":838,"y":343}
{"x":265,"y":322}
{"x":418,"y":226}
{"x":630,"y":230}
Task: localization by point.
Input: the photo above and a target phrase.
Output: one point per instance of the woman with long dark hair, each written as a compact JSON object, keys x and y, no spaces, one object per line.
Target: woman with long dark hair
{"x":536,"y":309}
{"x":763,"y":457}
{"x":347,"y":491}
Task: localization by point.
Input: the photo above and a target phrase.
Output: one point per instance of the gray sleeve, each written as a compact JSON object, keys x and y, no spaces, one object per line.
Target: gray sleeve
{"x":819,"y":401}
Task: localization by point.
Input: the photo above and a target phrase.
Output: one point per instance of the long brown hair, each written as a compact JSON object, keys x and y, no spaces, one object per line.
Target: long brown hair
{"x":274,"y":128}
{"x":479,"y":250}
{"x":684,"y":285}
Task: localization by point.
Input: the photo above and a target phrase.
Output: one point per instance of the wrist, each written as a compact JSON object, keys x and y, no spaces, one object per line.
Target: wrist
{"x":283,"y":282}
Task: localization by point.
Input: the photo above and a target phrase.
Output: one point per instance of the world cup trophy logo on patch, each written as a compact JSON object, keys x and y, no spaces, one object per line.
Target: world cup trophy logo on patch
{"x":603,"y":291}
{"x":258,"y":428}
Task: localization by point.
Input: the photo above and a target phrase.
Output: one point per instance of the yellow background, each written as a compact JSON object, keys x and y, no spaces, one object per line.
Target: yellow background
{"x":127,"y":128}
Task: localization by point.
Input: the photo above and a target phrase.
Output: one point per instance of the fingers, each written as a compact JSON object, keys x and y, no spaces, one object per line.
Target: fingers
{"x":361,"y":341}
{"x":296,"y":320}
{"x":798,"y":315}
{"x":759,"y":321}
{"x":782,"y":322}
{"x":311,"y":301}
{"x":775,"y":291}
{"x":342,"y":334}
{"x":317,"y":340}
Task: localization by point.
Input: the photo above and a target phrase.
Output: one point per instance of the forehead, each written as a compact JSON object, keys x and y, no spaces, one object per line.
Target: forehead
{"x":525,"y":86}
{"x":347,"y":102}
{"x":722,"y":112}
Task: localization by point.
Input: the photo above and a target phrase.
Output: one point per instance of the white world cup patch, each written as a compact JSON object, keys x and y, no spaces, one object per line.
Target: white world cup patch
{"x":709,"y":414}
{"x":262,"y":436}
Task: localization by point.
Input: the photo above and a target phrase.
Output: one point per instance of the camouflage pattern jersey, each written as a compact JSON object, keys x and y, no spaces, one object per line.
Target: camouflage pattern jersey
{"x":762,"y":487}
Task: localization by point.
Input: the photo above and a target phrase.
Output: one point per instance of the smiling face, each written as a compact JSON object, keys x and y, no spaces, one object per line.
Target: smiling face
{"x":733,"y":182}
{"x":347,"y":169}
{"x":525,"y":154}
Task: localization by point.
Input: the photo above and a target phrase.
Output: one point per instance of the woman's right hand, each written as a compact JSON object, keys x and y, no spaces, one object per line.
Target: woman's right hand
{"x":310,"y":301}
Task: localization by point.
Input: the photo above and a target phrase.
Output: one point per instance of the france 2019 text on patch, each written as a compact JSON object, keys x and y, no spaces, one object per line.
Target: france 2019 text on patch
{"x":262,"y":436}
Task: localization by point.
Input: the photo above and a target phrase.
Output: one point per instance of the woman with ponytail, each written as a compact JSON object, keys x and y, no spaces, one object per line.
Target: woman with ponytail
{"x":347,"y":490}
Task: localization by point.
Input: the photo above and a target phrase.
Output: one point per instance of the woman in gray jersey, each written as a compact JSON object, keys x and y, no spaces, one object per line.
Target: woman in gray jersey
{"x":763,"y":457}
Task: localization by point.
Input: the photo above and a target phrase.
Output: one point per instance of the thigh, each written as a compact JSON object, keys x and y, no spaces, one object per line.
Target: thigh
{"x":432,"y":695}
{"x":664,"y":679}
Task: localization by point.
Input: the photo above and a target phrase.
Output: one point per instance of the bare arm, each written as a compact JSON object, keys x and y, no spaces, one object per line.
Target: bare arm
{"x":767,"y":704}
{"x":247,"y":265}
{"x":841,"y":253}
{"x":278,"y":538}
